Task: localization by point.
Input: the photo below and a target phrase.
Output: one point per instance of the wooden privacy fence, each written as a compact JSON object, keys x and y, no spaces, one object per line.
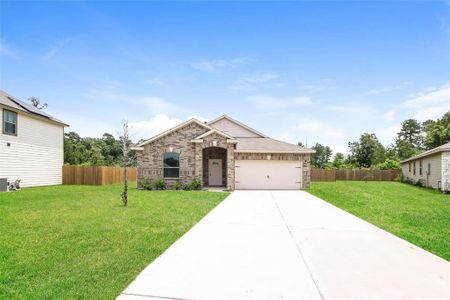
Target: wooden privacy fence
{"x":369,"y":175}
{"x":86,"y":175}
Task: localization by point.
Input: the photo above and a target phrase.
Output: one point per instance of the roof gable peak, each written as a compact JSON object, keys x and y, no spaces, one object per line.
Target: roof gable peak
{"x":237,"y":123}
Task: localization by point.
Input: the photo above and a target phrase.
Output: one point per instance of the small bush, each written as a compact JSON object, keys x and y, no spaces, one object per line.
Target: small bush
{"x":389,"y":164}
{"x":420,"y":183}
{"x":177,"y":185}
{"x":196,"y":184}
{"x":187,"y":187}
{"x":160,"y":184}
{"x":145,"y":185}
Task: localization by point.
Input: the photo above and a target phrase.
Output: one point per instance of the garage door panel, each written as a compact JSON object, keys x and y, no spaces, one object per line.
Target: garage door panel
{"x":266,"y":174}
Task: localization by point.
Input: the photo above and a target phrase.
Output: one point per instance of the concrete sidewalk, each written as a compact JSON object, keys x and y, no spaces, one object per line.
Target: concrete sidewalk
{"x":290,"y":245}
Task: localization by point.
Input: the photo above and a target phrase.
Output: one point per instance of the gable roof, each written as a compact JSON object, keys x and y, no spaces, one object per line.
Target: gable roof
{"x":442,"y":148}
{"x":268,"y":145}
{"x":181,"y":125}
{"x":214,"y":131}
{"x":10,"y":101}
{"x":236,"y":122}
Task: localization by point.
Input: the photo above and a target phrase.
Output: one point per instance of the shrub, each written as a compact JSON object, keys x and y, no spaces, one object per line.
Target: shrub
{"x":177,"y":185}
{"x":187,"y":187}
{"x":196,"y":184}
{"x":389,"y":164}
{"x":159,"y":184}
{"x":145,"y":184}
{"x":407,"y":180}
{"x":420,"y":183}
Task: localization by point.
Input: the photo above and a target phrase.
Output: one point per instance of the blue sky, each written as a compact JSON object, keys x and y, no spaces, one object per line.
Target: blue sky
{"x":297,"y":71}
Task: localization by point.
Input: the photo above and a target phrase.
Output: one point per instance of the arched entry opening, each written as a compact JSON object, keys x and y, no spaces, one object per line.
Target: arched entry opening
{"x":214,"y":166}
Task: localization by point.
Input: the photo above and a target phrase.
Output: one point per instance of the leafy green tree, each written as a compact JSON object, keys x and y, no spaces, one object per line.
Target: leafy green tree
{"x":411,"y":131}
{"x":389,"y":164}
{"x":36,"y":102}
{"x":366,"y":151}
{"x":104,"y":151}
{"x":338,"y":160}
{"x":437,"y":132}
{"x":404,"y":149}
{"x":74,"y":150}
{"x":322,"y":156}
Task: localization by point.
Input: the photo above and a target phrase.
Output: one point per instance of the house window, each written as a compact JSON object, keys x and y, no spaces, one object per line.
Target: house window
{"x":9,"y":122}
{"x":429,"y":169}
{"x":414,"y":168}
{"x":420,"y":167}
{"x":409,"y":167}
{"x":171,"y":161}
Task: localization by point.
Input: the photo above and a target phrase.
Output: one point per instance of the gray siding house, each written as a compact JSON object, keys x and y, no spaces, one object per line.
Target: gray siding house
{"x":223,"y":153}
{"x":431,"y":167}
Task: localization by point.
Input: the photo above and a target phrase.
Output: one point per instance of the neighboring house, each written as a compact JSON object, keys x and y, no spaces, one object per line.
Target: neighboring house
{"x":432,"y":168}
{"x":31,"y":144}
{"x":224,"y":153}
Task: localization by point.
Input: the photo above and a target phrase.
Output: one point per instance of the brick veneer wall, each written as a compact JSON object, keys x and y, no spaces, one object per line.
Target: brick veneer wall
{"x":150,"y":160}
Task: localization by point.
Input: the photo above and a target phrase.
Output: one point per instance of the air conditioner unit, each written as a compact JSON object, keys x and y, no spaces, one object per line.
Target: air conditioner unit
{"x":3,"y":184}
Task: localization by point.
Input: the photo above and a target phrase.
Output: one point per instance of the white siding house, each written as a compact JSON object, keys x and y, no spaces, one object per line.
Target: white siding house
{"x":31,"y":144}
{"x":432,"y":168}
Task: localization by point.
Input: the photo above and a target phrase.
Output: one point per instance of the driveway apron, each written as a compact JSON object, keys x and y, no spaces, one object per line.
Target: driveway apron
{"x":289,"y":245}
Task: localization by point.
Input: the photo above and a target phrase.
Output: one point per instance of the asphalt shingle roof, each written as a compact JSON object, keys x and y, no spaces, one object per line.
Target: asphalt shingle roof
{"x":445,"y":147}
{"x":259,"y":144}
{"x":15,"y":103}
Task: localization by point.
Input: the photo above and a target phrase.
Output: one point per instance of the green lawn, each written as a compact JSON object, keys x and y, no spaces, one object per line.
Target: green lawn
{"x":419,"y":215}
{"x":79,"y":242}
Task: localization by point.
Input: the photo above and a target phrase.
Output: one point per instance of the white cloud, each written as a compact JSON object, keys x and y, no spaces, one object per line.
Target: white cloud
{"x":7,"y":51}
{"x":55,"y":49}
{"x":202,"y":119}
{"x":212,"y":65}
{"x":260,"y":77}
{"x":154,"y":104}
{"x":312,"y":87}
{"x":155,"y":82}
{"x":269,"y":102}
{"x":310,"y":131}
{"x":388,"y":134}
{"x":389,"y":89}
{"x":310,"y":127}
{"x":149,"y":128}
{"x":248,"y":81}
{"x":389,"y":115}
{"x":431,"y":104}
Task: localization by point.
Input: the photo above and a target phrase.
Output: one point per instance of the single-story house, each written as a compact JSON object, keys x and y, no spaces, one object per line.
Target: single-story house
{"x":431,"y":167}
{"x":224,"y":153}
{"x":31,"y":144}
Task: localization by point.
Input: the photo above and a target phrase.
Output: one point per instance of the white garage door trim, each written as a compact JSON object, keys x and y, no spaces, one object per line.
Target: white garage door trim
{"x":268,"y":175}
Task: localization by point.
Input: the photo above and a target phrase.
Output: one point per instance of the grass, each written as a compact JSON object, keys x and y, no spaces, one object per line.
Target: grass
{"x":419,"y":215}
{"x":79,"y":242}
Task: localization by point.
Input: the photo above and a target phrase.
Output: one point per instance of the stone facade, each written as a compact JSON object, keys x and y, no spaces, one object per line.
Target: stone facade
{"x":192,"y":163}
{"x":150,"y":160}
{"x":217,"y":140}
{"x":194,"y":155}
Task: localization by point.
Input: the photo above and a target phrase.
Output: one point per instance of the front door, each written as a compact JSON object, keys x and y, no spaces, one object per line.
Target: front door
{"x":215,"y":172}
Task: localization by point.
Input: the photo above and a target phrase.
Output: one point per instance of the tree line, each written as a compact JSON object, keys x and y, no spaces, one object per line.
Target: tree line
{"x":367,"y":152}
{"x":104,"y":151}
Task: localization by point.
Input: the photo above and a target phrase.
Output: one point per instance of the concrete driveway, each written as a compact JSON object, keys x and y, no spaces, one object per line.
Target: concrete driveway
{"x":290,"y":245}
